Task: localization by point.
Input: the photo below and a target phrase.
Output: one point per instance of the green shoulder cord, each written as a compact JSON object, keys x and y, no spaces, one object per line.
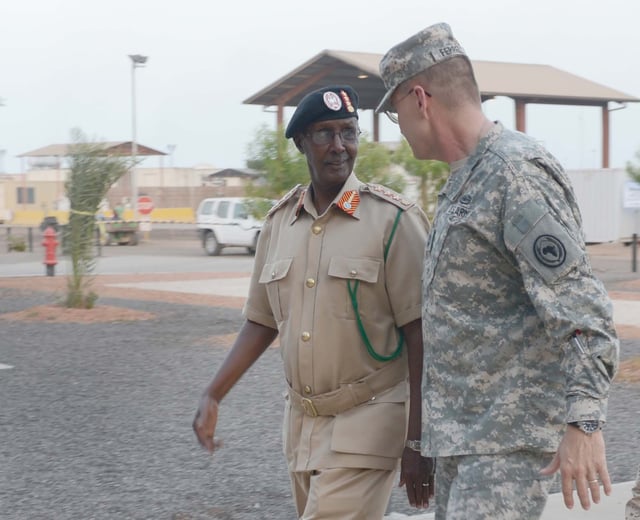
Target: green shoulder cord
{"x":354,"y":303}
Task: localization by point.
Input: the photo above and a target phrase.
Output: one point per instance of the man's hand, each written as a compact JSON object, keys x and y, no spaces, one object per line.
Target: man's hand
{"x":581,"y":458}
{"x":204,"y":423}
{"x":417,"y":473}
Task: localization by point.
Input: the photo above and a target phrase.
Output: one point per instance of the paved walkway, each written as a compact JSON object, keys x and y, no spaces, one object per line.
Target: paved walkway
{"x":609,"y":508}
{"x":626,"y":312}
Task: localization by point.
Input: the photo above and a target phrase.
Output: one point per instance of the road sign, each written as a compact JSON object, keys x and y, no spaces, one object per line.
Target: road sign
{"x":145,"y":205}
{"x":631,"y":196}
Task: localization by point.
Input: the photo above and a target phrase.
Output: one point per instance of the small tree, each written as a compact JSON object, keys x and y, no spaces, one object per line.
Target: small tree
{"x":374,"y":165}
{"x":92,"y":172}
{"x":280,"y":162}
{"x":632,"y":169}
{"x":432,"y":175}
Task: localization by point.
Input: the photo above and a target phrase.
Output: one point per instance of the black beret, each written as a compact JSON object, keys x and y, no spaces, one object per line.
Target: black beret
{"x":332,"y":102}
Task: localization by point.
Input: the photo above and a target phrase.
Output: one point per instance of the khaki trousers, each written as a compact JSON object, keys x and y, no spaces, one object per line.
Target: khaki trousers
{"x":342,"y":493}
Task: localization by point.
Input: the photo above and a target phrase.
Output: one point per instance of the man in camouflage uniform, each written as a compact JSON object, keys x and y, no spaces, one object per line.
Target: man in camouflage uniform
{"x":520,"y":346}
{"x":633,"y":506}
{"x":336,"y":275}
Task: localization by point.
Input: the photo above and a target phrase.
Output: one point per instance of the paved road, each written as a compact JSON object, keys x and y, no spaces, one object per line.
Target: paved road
{"x":95,"y":418}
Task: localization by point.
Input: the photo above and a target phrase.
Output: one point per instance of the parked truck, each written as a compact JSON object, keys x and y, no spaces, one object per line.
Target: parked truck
{"x":227,"y":222}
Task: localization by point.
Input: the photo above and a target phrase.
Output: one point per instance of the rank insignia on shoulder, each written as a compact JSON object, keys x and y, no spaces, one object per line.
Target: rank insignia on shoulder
{"x":288,"y":196}
{"x":389,"y":195}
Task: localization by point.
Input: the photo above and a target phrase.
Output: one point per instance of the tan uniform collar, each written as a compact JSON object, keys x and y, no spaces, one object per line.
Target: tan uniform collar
{"x":348,"y":200}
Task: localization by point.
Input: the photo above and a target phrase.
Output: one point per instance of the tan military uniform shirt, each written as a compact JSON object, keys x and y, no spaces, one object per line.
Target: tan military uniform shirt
{"x":303,"y":264}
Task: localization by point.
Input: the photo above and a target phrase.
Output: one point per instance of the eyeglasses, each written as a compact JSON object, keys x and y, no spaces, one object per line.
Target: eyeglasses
{"x":392,"y":114}
{"x":325,"y":136}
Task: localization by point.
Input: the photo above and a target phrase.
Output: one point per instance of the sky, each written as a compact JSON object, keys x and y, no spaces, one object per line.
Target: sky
{"x":64,"y":64}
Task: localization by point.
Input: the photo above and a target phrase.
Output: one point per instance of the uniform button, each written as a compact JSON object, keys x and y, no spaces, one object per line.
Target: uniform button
{"x":307,"y":389}
{"x":311,"y":283}
{"x":306,"y":336}
{"x":316,"y":230}
{"x":273,"y":275}
{"x":353,"y":273}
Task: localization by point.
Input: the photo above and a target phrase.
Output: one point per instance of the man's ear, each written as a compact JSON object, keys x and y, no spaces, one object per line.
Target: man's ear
{"x":297,"y":140}
{"x":422,"y":98}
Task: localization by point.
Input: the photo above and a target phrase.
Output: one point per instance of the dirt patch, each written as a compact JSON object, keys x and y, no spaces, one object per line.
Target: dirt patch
{"x":58,"y":313}
{"x":628,"y":331}
{"x":629,"y":371}
{"x":103,"y":286}
{"x":631,"y":293}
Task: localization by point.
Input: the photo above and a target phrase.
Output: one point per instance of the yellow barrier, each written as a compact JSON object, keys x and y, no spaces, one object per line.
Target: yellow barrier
{"x":35,"y":217}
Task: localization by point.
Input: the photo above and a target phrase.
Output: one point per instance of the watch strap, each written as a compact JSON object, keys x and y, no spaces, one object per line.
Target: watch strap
{"x":588,"y":426}
{"x":413,"y":445}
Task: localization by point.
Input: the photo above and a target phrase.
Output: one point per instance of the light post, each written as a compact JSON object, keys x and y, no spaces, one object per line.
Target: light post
{"x":137,"y":60}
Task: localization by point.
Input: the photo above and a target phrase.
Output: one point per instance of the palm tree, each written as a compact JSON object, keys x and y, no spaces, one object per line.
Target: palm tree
{"x":92,"y":172}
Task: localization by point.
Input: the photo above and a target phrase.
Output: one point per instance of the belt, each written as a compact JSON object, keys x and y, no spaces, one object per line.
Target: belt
{"x":351,"y":394}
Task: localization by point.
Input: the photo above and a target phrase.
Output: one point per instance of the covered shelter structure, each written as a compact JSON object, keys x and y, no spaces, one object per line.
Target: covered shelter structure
{"x":123,"y":148}
{"x":524,"y":83}
{"x":49,"y":161}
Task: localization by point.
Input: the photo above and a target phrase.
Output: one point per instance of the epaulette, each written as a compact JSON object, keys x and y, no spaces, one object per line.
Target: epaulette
{"x":389,"y":195}
{"x":289,"y":195}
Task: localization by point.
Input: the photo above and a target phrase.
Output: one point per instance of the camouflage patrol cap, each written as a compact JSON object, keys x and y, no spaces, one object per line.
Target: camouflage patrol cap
{"x":332,"y":102}
{"x":417,"y":53}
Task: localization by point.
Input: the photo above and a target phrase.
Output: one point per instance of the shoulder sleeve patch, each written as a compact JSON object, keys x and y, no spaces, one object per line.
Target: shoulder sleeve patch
{"x":289,"y":195}
{"x":384,"y":193}
{"x":543,"y":241}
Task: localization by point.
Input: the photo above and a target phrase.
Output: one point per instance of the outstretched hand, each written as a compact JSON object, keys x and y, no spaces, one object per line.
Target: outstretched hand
{"x":417,"y":474}
{"x":581,"y":459}
{"x":204,"y":423}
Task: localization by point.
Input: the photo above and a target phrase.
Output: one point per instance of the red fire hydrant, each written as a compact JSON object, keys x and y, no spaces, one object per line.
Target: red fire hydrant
{"x":50,"y":243}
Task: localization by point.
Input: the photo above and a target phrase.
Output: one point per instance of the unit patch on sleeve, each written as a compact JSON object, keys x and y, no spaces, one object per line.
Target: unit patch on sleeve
{"x":543,"y":241}
{"x":549,"y":251}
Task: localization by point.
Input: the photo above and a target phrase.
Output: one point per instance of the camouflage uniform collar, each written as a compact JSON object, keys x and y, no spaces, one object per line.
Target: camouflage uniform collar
{"x":459,"y":176}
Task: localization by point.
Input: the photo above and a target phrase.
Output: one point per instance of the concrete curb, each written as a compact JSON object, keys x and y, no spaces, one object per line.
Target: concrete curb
{"x":611,"y":507}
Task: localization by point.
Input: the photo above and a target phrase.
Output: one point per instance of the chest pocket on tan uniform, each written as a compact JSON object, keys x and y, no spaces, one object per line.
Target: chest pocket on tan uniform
{"x":365,"y":270}
{"x":274,"y":276}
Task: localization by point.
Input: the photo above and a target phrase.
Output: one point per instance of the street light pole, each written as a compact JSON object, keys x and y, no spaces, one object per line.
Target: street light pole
{"x":137,"y":60}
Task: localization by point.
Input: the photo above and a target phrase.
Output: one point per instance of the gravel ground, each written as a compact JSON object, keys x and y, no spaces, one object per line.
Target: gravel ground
{"x":95,"y":417}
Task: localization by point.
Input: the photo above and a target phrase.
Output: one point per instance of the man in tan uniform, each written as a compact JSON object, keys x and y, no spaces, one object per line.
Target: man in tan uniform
{"x":336,"y":274}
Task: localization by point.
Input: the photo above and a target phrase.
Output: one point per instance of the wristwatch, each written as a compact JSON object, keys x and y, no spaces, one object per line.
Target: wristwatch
{"x":589,"y":426}
{"x":413,"y":445}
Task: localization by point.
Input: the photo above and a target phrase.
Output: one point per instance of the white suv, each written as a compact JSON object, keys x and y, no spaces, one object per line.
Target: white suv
{"x":227,"y":222}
